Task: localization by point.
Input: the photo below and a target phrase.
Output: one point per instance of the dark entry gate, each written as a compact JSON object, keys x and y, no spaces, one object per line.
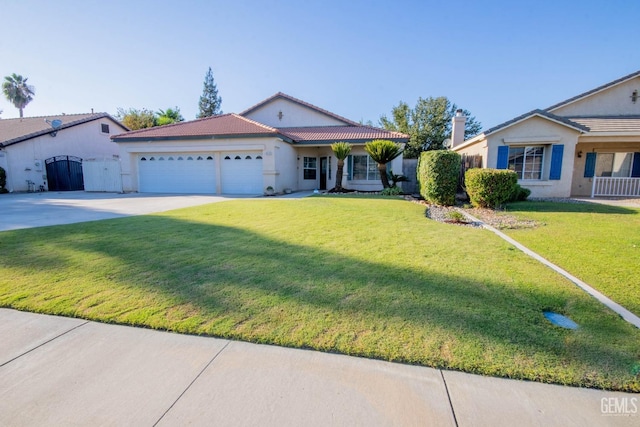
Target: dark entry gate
{"x":64,"y":173}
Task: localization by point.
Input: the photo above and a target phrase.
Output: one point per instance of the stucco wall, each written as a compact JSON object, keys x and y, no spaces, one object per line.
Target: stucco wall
{"x":612,"y":101}
{"x":286,"y":158}
{"x":538,"y":131}
{"x":293,"y":115}
{"x":84,"y":141}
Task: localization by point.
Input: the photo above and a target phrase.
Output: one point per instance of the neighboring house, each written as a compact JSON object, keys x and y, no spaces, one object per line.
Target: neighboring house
{"x":281,"y":142}
{"x":47,"y":152}
{"x":590,"y":142}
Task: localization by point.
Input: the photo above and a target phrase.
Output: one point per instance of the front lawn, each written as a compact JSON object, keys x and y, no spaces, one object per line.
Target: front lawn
{"x":363,"y":276}
{"x":597,"y":243}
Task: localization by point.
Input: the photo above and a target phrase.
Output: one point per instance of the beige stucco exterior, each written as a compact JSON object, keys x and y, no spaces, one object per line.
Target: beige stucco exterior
{"x":282,"y":158}
{"x":25,"y":161}
{"x":281,"y":113}
{"x":561,"y":125}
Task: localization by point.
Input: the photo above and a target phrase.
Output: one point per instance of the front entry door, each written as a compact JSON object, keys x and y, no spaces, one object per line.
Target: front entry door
{"x":323,"y":173}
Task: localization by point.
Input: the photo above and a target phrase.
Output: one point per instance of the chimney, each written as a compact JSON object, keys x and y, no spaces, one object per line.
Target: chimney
{"x":457,"y":128}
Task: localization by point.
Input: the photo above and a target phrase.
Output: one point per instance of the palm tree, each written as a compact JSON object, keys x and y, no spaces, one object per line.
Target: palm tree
{"x":382,"y":151}
{"x":17,"y":91}
{"x":168,"y":116}
{"x":341,"y":150}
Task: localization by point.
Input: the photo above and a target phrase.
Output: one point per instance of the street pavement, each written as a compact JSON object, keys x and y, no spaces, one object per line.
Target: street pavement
{"x":57,"y":371}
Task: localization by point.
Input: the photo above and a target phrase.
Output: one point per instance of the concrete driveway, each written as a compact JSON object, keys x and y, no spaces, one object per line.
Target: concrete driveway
{"x":27,"y":210}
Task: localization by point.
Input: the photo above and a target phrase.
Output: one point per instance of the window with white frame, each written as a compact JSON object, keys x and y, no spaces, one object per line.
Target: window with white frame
{"x":526,"y":161}
{"x":614,"y":164}
{"x":310,"y":166}
{"x":364,"y":168}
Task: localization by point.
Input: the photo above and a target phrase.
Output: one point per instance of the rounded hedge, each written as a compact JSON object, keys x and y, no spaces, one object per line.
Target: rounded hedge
{"x":438,"y":173}
{"x":490,"y":188}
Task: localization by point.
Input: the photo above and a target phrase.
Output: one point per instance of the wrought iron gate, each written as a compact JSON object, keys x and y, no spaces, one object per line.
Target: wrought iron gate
{"x":64,"y":173}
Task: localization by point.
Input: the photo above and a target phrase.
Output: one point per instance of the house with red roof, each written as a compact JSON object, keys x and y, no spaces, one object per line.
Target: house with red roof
{"x":47,"y":152}
{"x":282,"y":143}
{"x":588,"y":145}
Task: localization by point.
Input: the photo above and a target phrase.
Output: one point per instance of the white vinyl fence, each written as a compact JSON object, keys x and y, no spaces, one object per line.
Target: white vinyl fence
{"x":613,"y":186}
{"x":102,"y":175}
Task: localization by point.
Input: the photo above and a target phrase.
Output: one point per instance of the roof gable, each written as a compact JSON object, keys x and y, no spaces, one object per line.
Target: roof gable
{"x":563,"y":121}
{"x":611,"y":98}
{"x":282,"y":110}
{"x":13,"y":131}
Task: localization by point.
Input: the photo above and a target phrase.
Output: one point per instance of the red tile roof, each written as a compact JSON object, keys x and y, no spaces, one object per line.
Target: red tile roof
{"x":222,"y":125}
{"x":230,"y":125}
{"x":340,"y":133}
{"x":300,"y":102}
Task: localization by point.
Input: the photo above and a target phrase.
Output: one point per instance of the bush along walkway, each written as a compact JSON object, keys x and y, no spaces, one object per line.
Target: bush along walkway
{"x":617,"y":308}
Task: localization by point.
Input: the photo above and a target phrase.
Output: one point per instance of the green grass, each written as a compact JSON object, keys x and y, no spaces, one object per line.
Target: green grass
{"x":597,"y":243}
{"x":362,"y":276}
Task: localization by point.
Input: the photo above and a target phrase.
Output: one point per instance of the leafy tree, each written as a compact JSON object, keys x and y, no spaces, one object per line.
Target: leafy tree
{"x":382,"y":151}
{"x":136,"y":119}
{"x":210,"y":102}
{"x":168,"y":116}
{"x":428,"y":124}
{"x":341,"y":150}
{"x":17,"y":91}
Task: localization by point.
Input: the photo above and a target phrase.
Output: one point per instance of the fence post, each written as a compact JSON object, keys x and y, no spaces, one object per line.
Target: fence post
{"x":593,"y":187}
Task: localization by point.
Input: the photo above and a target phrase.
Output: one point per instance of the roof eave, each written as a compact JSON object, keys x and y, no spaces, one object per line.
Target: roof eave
{"x":124,"y":138}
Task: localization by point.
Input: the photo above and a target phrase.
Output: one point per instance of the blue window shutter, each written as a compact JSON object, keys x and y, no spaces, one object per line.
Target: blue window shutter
{"x":349,"y":167}
{"x":503,"y":157}
{"x":556,"y":161}
{"x":590,"y":165}
{"x":635,"y":170}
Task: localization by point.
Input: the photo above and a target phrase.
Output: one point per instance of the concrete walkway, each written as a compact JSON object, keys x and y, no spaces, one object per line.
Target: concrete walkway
{"x":61,"y":371}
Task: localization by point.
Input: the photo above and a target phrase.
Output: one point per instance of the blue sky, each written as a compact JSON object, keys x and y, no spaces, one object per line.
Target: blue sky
{"x":497,"y":59}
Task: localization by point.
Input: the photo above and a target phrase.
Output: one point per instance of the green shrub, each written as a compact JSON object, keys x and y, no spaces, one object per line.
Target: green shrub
{"x":391,"y":191}
{"x":3,"y":181}
{"x":490,"y":188}
{"x":438,"y":173}
{"x":520,"y":194}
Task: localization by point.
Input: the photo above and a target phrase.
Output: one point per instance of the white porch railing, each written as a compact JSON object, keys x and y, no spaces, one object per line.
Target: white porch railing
{"x":609,"y":186}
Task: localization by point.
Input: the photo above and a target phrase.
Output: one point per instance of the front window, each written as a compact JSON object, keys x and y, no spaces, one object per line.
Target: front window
{"x":364,"y":168}
{"x":614,"y":164}
{"x":526,"y":161}
{"x":310,"y":167}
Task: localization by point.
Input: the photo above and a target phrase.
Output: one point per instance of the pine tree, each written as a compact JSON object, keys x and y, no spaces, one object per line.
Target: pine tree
{"x":210,"y":102}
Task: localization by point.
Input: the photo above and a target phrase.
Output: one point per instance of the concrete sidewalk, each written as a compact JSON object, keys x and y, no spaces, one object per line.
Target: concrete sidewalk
{"x":62,"y":371}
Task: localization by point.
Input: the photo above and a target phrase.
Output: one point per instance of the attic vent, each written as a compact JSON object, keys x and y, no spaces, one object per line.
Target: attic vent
{"x":104,"y":127}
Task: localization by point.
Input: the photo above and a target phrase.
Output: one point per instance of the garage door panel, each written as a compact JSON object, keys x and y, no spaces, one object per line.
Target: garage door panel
{"x":177,"y":173}
{"x":242,"y":173}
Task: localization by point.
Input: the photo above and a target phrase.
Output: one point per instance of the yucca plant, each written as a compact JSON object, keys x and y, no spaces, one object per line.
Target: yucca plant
{"x":341,"y":150}
{"x":383,"y":151}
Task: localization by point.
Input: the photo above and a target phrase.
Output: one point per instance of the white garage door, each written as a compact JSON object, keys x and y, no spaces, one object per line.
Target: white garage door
{"x":177,"y":173}
{"x":241,"y":173}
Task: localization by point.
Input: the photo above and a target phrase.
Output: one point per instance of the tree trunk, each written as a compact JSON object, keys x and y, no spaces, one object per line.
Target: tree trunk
{"x":20,"y":111}
{"x":339,"y":172}
{"x":382,"y":168}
